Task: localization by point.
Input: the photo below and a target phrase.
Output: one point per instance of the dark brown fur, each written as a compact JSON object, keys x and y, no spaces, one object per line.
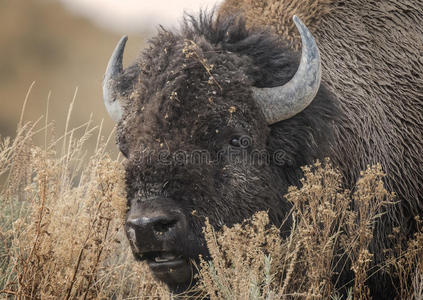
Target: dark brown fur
{"x":372,"y":55}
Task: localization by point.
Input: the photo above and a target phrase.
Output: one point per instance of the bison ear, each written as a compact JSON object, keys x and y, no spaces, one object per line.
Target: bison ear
{"x":283,"y":102}
{"x":114,"y":69}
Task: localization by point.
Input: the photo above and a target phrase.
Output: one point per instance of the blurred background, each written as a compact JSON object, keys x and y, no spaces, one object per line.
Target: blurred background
{"x":64,"y":45}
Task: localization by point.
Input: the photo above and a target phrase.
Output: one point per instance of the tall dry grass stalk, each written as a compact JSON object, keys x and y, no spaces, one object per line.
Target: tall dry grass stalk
{"x":407,"y":263}
{"x":61,"y":220}
{"x":243,"y":257}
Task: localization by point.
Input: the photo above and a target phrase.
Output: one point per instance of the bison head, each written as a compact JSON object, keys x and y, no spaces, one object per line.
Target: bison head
{"x":213,"y":122}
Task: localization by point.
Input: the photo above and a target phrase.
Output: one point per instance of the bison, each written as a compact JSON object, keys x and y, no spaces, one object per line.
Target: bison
{"x":216,"y":120}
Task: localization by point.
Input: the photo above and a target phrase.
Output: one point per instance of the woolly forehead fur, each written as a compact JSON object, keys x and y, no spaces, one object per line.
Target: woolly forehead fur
{"x":188,"y":85}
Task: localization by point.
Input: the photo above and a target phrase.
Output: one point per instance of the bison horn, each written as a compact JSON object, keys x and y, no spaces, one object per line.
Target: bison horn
{"x":283,"y":102}
{"x":114,"y":68}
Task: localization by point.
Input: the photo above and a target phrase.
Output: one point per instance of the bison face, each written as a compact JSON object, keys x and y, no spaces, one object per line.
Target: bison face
{"x":197,"y":138}
{"x":201,"y":155}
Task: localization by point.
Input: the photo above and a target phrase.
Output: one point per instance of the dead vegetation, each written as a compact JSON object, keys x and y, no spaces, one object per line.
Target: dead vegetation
{"x":250,"y":261}
{"x":61,"y":221}
{"x":61,"y":232}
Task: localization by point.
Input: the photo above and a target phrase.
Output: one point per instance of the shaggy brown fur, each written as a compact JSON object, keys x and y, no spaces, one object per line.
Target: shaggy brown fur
{"x":278,"y":14}
{"x":372,"y":55}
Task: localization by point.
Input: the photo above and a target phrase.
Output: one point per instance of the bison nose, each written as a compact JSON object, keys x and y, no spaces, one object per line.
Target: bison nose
{"x":157,"y":225}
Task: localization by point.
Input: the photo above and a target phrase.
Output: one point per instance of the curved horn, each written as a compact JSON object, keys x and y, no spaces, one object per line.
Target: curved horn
{"x":283,"y":102}
{"x":114,"y":68}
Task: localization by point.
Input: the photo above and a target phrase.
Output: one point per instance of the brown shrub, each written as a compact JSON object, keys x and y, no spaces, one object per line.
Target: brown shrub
{"x":61,"y":222}
{"x":251,"y":261}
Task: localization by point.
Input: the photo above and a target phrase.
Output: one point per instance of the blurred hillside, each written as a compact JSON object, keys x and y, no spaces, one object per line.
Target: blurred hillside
{"x":43,"y":42}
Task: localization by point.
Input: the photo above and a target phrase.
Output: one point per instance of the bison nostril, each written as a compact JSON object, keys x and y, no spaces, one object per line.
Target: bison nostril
{"x":157,"y":224}
{"x":162,"y":226}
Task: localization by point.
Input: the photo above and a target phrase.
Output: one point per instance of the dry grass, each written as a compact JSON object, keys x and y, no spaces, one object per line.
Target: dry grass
{"x":251,"y":261}
{"x":61,"y":222}
{"x":61,"y":232}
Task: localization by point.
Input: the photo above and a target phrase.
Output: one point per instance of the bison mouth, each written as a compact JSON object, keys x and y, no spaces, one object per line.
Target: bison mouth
{"x":170,"y":267}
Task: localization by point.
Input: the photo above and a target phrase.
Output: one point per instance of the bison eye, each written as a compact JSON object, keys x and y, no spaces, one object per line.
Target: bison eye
{"x":243,"y":141}
{"x":235,"y":142}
